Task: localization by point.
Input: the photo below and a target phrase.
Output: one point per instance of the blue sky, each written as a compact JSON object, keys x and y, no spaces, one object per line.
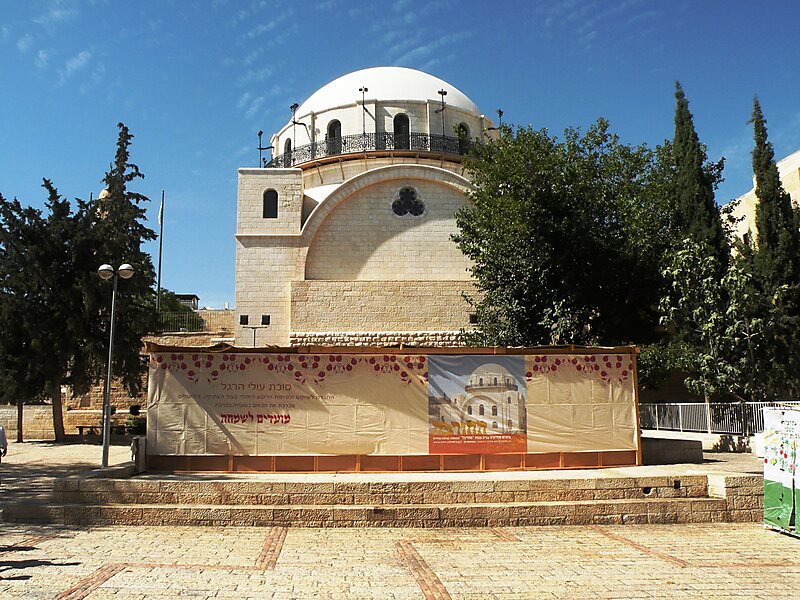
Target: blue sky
{"x":195,"y":81}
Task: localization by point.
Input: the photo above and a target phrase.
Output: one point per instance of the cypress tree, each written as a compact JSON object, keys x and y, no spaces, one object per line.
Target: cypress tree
{"x":695,"y":212}
{"x":776,"y":267}
{"x":778,"y":238}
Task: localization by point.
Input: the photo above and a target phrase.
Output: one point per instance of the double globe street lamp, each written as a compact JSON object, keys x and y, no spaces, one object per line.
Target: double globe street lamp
{"x":107,"y":272}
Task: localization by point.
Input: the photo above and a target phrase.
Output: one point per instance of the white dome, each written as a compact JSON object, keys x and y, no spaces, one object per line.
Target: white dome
{"x":384,"y":84}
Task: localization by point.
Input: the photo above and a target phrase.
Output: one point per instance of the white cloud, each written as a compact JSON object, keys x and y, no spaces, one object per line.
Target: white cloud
{"x":74,"y":64}
{"x":41,"y":59}
{"x":24,"y":42}
{"x":421,"y":53}
{"x":243,"y":100}
{"x":255,"y":75}
{"x":254,"y":107}
{"x":263,"y":28}
{"x":56,"y":16}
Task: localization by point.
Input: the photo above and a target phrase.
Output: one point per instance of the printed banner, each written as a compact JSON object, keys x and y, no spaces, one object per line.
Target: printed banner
{"x":388,"y":404}
{"x":477,"y":404}
{"x":781,"y":440}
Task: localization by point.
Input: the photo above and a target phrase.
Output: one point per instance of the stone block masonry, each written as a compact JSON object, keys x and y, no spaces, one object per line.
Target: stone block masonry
{"x":424,"y":339}
{"x":380,"y":306}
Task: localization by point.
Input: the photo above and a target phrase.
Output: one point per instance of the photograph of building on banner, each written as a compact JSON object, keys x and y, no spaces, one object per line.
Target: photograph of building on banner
{"x":476,"y":404}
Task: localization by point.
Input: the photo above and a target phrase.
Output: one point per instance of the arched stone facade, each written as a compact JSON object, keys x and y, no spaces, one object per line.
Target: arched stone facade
{"x":360,"y":251}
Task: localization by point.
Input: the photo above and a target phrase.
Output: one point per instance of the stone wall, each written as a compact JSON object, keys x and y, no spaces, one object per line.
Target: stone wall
{"x":425,"y":339}
{"x":37,"y":421}
{"x":252,"y":185}
{"x":363,"y":239}
{"x":353,"y":235}
{"x":380,"y":306}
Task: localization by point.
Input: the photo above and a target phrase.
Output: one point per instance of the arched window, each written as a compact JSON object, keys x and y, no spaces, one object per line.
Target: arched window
{"x":462,"y":131}
{"x":469,"y":410}
{"x":510,"y":424}
{"x":402,"y":132}
{"x":494,"y":424}
{"x":270,"y":204}
{"x":480,"y":381}
{"x":481,"y":410}
{"x":494,"y":410}
{"x":509,"y":399}
{"x":495,"y":380}
{"x":287,"y":153}
{"x":334,"y":138}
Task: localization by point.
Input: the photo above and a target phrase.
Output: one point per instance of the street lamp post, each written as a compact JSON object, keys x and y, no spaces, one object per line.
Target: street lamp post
{"x":363,"y":89}
{"x":442,"y":93}
{"x":107,"y":272}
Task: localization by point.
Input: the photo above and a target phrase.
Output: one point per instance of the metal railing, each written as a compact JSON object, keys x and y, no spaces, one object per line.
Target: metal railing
{"x":368,"y":142}
{"x":195,"y":321}
{"x":742,"y":418}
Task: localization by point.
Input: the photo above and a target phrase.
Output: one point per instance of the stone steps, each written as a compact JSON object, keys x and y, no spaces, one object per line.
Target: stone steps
{"x":668,"y":510}
{"x":371,"y":491}
{"x":431,"y":500}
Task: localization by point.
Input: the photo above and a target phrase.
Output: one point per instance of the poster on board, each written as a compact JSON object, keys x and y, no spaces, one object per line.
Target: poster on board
{"x":476,"y":404}
{"x":259,"y":404}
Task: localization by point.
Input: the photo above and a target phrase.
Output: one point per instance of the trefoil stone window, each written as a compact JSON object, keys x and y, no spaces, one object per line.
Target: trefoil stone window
{"x":408,"y":203}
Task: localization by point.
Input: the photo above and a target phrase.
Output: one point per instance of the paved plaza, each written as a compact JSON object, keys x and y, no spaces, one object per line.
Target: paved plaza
{"x":655,"y":561}
{"x":633,"y":561}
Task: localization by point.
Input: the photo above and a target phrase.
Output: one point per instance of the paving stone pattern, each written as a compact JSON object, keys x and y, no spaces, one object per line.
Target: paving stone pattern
{"x":634,"y":561}
{"x":708,"y":560}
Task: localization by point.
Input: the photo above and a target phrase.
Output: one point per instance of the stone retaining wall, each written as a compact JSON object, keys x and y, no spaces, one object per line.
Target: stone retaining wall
{"x":37,"y":421}
{"x":425,"y":339}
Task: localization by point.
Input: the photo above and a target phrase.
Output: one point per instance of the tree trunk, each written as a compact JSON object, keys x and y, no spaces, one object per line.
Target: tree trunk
{"x":19,"y":420}
{"x":58,"y":418}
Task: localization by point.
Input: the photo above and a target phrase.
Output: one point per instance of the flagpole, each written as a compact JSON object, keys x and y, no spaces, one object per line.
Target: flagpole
{"x":160,"y":246}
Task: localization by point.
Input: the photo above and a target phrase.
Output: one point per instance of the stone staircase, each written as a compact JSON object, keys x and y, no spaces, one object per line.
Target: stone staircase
{"x":605,"y":496}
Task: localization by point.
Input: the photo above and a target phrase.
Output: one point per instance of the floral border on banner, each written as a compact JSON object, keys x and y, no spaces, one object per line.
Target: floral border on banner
{"x":303,"y":367}
{"x":609,"y":368}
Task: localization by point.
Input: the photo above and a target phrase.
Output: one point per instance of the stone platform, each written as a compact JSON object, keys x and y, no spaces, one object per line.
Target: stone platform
{"x":628,"y":495}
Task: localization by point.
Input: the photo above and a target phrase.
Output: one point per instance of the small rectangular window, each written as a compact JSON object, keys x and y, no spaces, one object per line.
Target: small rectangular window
{"x":244,"y":319}
{"x":270,"y":204}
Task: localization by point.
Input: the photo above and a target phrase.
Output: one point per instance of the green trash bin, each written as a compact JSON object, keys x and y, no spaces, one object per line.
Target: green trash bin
{"x":781,"y":494}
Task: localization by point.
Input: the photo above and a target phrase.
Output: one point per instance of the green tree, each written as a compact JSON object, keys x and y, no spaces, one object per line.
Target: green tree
{"x":565,"y":238}
{"x":43,"y":349}
{"x":778,"y":237}
{"x":776,"y":265}
{"x":741,"y":329}
{"x":718,"y":318}
{"x":117,"y":231}
{"x":52,"y":304}
{"x":696,"y":214}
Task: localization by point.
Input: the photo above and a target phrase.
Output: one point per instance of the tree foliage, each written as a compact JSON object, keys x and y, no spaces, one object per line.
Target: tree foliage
{"x":741,"y":326}
{"x":720,"y":323}
{"x":778,"y":230}
{"x":53,"y":307}
{"x":565,"y":237}
{"x":696,"y":214}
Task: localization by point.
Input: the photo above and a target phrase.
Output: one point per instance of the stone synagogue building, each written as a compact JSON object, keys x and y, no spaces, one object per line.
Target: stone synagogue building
{"x":343,"y":238}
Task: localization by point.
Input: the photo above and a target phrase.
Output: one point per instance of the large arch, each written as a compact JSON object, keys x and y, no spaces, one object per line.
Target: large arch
{"x":371,"y":177}
{"x":390,"y":247}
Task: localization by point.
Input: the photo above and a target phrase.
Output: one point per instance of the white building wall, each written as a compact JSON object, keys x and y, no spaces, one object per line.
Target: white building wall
{"x":363,"y":239}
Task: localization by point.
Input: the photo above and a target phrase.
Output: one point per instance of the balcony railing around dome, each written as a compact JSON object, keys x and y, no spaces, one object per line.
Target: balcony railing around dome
{"x":371,"y":142}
